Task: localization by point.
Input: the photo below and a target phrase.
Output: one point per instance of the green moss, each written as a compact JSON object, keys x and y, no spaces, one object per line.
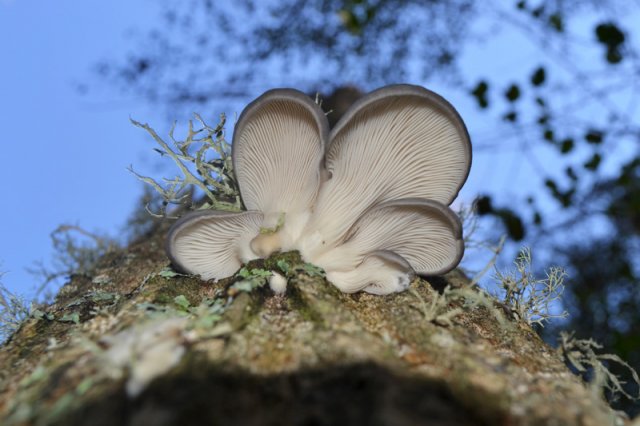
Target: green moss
{"x":271,"y":263}
{"x":164,"y":290}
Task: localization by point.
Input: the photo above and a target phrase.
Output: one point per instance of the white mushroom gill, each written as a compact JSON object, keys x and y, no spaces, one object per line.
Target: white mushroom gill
{"x":278,"y":146}
{"x":425,"y":233}
{"x":397,"y":142}
{"x":213,"y":244}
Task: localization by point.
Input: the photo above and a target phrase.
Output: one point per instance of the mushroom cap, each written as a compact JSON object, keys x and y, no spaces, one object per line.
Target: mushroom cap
{"x":415,"y":119}
{"x":381,"y":272}
{"x":278,"y":146}
{"x":427,"y":234}
{"x":212,"y":244}
{"x":397,"y":142}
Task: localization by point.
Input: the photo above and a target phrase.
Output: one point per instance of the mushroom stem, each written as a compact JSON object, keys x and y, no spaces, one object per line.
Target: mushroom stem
{"x":278,"y":283}
{"x":265,"y":244}
{"x":279,"y":234}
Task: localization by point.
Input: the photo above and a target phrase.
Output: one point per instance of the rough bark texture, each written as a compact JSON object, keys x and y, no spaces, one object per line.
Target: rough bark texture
{"x":314,"y":356}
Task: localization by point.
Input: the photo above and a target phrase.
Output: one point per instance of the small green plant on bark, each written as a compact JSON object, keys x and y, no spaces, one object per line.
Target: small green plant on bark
{"x":250,"y":279}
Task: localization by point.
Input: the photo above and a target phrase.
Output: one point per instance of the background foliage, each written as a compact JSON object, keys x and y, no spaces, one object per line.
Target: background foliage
{"x":567,"y":112}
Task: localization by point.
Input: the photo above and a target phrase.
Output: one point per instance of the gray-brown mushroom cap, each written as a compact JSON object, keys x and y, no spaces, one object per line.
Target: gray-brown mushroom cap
{"x":397,"y":142}
{"x":212,"y":244}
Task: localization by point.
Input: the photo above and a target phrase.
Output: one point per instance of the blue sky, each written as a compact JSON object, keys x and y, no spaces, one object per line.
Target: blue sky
{"x":64,"y":155}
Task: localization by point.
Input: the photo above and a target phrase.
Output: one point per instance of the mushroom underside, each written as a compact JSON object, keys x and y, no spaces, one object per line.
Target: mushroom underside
{"x":398,"y":142}
{"x":370,"y":206}
{"x":427,"y":234}
{"x":278,"y":147}
{"x":213,"y":244}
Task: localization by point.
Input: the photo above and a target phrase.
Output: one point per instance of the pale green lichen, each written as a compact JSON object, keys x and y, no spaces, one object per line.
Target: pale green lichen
{"x":144,"y":352}
{"x":76,"y":251}
{"x":284,"y":266}
{"x":168,"y":272}
{"x":452,"y":302}
{"x":73,"y":317}
{"x":476,"y":245}
{"x":581,"y":355}
{"x":437,"y":310}
{"x":38,"y":314}
{"x":530,"y":298}
{"x":517,"y":292}
{"x":250,"y":279}
{"x":204,"y":159}
{"x":14,"y":310}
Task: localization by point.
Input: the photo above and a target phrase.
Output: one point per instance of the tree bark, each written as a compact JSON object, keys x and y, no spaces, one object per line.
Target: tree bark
{"x":133,"y":345}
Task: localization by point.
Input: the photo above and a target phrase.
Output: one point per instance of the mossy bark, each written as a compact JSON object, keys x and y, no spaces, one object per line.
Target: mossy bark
{"x":310,"y":356}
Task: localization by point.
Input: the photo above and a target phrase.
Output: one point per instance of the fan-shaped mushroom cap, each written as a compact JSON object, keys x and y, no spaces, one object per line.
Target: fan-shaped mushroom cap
{"x":397,"y":142}
{"x":278,"y":146}
{"x":427,"y":234}
{"x":381,"y":272}
{"x":213,"y":244}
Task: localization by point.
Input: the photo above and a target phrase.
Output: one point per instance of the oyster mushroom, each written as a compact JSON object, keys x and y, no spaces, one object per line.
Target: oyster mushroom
{"x":213,"y":244}
{"x":373,"y":214}
{"x":278,"y":147}
{"x":424,"y":234}
{"x":397,"y":142}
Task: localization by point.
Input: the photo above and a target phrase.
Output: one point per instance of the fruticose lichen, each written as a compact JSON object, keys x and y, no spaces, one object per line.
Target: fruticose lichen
{"x":14,"y":310}
{"x":532,"y":299}
{"x":204,"y":160}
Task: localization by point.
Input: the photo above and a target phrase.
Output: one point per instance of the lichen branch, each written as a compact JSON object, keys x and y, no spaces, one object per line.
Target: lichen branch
{"x":77,"y":251}
{"x":14,"y":310}
{"x":530,"y":298}
{"x":204,"y":160}
{"x":581,"y":355}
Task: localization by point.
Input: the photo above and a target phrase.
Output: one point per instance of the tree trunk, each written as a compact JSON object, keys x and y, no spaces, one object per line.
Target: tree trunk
{"x":134,"y":345}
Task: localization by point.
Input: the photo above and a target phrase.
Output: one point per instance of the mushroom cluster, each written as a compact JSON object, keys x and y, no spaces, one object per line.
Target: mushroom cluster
{"x":366,"y":201}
